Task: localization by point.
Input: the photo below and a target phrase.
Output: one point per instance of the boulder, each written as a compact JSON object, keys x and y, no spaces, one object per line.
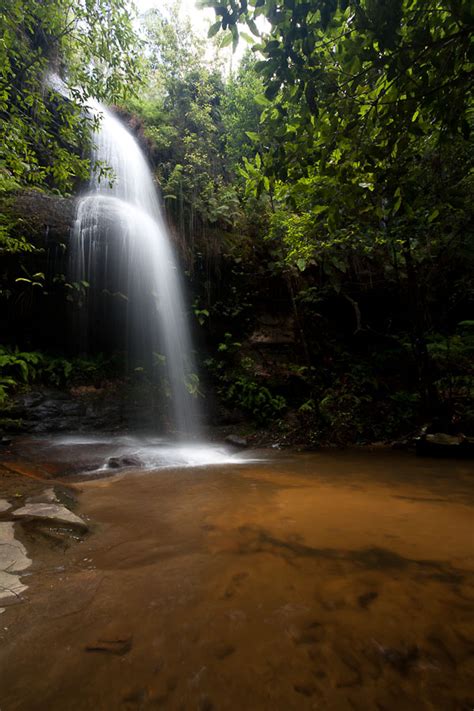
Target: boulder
{"x":127,"y":460}
{"x":236,"y":441}
{"x":441,"y":444}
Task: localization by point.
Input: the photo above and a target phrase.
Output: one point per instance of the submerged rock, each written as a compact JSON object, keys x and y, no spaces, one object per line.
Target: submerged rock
{"x":129,"y":460}
{"x":236,"y":441}
{"x":52,"y":513}
{"x":118,"y":647}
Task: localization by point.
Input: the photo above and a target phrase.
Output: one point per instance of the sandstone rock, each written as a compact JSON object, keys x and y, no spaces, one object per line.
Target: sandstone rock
{"x":51,"y":513}
{"x":13,"y":559}
{"x":46,"y":497}
{"x":441,"y":444}
{"x":125,"y":461}
{"x":443,"y":438}
{"x":10,"y":585}
{"x":12,"y":552}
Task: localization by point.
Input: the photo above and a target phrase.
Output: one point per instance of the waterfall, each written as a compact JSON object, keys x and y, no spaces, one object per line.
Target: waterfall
{"x":121,"y":247}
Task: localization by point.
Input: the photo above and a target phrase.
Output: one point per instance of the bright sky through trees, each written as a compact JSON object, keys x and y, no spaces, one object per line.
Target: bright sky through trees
{"x":200,"y":17}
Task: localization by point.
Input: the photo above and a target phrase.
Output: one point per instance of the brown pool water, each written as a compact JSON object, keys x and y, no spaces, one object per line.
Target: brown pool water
{"x":307,"y":581}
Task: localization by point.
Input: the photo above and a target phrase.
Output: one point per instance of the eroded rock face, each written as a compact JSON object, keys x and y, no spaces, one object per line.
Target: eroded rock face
{"x":51,"y":513}
{"x":49,"y":215}
{"x":82,"y":409}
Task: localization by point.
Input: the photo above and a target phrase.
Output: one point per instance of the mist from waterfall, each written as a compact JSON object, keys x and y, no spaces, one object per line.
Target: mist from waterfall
{"x":121,"y":247}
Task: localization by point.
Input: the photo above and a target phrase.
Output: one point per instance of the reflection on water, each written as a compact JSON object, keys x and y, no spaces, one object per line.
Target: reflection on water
{"x":313,"y":581}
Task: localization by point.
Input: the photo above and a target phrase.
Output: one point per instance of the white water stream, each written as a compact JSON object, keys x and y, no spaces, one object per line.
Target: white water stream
{"x":121,"y":248}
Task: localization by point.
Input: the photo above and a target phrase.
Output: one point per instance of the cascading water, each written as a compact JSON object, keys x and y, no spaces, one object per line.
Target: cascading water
{"x":121,"y":248}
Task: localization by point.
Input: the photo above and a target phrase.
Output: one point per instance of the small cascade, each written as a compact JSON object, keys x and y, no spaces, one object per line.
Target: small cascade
{"x":121,"y":247}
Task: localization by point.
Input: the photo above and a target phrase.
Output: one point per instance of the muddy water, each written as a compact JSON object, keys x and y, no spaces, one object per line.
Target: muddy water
{"x":322,"y":581}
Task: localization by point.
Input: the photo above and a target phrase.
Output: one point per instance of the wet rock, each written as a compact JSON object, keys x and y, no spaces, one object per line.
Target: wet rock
{"x":129,"y":460}
{"x":32,"y":399}
{"x":306,"y":688}
{"x":440,"y":444}
{"x":12,"y":552}
{"x":13,"y":559}
{"x":273,"y":330}
{"x":4,"y":505}
{"x":236,"y":441}
{"x":401,"y":659}
{"x":402,"y":444}
{"x":5,"y":441}
{"x":367,"y":599}
{"x":45,"y":214}
{"x":118,"y":647}
{"x":51,"y":513}
{"x":47,"y":496}
{"x":10,"y":585}
{"x":442,"y":438}
{"x":224,"y":650}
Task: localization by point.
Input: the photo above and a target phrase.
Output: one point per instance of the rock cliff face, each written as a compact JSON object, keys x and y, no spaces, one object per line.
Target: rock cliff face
{"x":40,"y":217}
{"x":35,"y":316}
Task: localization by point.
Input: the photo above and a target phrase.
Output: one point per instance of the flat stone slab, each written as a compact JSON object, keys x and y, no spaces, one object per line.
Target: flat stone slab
{"x":13,"y":556}
{"x":52,"y":513}
{"x":13,"y":559}
{"x":10,"y":585}
{"x":4,"y":505}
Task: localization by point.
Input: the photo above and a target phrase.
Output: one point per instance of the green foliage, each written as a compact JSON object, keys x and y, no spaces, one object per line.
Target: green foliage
{"x":24,"y":368}
{"x":193,"y":385}
{"x":199,"y":123}
{"x":362,"y":147}
{"x":43,"y":130}
{"x":228,"y":345}
{"x":255,"y":399}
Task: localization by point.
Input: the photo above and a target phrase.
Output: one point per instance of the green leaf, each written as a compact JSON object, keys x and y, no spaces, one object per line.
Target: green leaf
{"x":226,"y":40}
{"x":253,"y":27}
{"x":253,"y":136}
{"x":214,"y":29}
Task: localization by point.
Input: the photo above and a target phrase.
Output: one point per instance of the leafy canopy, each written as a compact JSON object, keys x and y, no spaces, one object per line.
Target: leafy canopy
{"x":43,"y":130}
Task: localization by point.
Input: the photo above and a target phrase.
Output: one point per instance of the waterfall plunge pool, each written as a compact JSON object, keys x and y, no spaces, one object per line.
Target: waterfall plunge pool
{"x":330,"y":580}
{"x":95,"y":456}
